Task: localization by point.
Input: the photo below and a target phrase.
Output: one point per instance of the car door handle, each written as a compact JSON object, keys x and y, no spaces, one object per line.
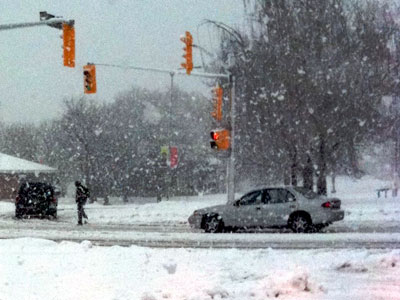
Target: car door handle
{"x":258,"y":208}
{"x":292,"y":206}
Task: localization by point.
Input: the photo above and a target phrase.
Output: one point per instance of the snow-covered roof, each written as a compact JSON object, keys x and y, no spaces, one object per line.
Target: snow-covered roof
{"x":12,"y":164}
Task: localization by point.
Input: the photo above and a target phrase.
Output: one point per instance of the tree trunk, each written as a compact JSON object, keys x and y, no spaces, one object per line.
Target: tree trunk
{"x":286,"y":176}
{"x":333,"y":183}
{"x":293,"y":169}
{"x":125,"y":197}
{"x":353,"y":159}
{"x":321,"y":181}
{"x":308,"y":180}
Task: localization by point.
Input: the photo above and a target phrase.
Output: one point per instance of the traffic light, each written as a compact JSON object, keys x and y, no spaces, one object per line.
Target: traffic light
{"x":217,"y":99}
{"x":188,"y":64}
{"x":220,"y":139}
{"x":89,"y":79}
{"x":68,"y":37}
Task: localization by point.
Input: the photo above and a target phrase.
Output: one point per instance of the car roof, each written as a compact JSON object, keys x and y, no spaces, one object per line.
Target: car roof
{"x":36,"y":184}
{"x":269,"y":187}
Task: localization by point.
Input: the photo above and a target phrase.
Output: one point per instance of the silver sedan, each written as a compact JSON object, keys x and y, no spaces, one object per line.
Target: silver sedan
{"x":299,"y":209}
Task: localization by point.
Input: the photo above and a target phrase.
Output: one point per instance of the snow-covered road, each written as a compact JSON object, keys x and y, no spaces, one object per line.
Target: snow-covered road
{"x":178,"y":237}
{"x":178,"y":234}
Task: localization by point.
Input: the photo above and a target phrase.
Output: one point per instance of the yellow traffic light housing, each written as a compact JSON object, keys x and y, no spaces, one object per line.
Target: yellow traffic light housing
{"x":217,"y":99}
{"x":89,"y":79}
{"x":220,"y":139}
{"x":188,"y":64}
{"x":68,"y":45}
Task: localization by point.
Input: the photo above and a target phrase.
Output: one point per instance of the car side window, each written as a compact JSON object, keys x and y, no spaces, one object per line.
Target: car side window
{"x":290,"y":197}
{"x":251,"y":198}
{"x":272,"y":196}
{"x":267,"y":197}
{"x":279,"y":196}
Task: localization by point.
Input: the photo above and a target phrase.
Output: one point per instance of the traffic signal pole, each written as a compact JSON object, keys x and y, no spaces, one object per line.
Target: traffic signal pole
{"x":53,"y":23}
{"x":68,"y":36}
{"x":165,"y":71}
{"x":231,"y":162}
{"x":169,"y":171}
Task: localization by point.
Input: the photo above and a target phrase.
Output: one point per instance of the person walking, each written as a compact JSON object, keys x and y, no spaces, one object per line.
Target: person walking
{"x":82,"y":193}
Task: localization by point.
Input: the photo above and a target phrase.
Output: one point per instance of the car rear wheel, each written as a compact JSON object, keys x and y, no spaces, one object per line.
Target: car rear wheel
{"x":52,"y":215}
{"x":299,"y":223}
{"x":19,"y":213}
{"x":318,"y":227}
{"x":213,"y":224}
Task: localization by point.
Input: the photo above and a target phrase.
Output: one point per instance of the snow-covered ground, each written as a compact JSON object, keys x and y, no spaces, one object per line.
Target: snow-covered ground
{"x":41,"y":269}
{"x":32,"y":268}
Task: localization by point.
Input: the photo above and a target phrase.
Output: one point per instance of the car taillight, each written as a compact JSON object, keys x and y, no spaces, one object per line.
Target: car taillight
{"x":327,"y":204}
{"x":16,"y":199}
{"x":332,"y":204}
{"x":54,"y":200}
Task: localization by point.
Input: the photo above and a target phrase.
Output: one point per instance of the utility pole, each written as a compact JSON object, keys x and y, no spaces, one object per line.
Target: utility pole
{"x":231,"y":162}
{"x":169,"y":173}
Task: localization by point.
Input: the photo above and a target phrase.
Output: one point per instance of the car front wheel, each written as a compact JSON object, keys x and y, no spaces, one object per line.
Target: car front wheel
{"x":213,"y":224}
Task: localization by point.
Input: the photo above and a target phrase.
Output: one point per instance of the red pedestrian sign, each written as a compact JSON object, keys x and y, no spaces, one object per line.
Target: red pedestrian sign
{"x":173,"y":151}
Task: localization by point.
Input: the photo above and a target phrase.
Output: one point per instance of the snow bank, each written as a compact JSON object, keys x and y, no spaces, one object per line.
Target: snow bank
{"x":283,"y":283}
{"x":364,"y":262}
{"x":40,"y":269}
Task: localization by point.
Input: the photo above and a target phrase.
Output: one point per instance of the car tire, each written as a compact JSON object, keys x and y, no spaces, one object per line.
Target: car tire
{"x":213,"y":224}
{"x":52,"y":215}
{"x":19,"y":213}
{"x":300,"y":223}
{"x":318,"y":227}
{"x":231,"y":229}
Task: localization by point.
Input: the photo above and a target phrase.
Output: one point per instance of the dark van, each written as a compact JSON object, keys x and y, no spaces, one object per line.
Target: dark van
{"x":36,"y":199}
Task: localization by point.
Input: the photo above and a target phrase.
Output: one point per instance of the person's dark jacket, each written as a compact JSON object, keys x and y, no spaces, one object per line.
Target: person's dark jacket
{"x":82,"y":193}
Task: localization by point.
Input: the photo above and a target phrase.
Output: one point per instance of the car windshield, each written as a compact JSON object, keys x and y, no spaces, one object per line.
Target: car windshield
{"x":306,"y":192}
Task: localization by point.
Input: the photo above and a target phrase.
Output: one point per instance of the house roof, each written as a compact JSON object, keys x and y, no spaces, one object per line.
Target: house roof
{"x":12,"y":164}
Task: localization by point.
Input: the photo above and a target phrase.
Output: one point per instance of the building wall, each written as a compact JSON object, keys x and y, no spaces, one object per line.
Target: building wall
{"x":9,"y":183}
{"x":8,"y":186}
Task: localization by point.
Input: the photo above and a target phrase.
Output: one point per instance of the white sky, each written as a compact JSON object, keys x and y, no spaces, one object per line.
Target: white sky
{"x":33,"y":81}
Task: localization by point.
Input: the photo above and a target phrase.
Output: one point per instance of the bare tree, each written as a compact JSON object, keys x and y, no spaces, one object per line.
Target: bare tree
{"x":311,"y":76}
